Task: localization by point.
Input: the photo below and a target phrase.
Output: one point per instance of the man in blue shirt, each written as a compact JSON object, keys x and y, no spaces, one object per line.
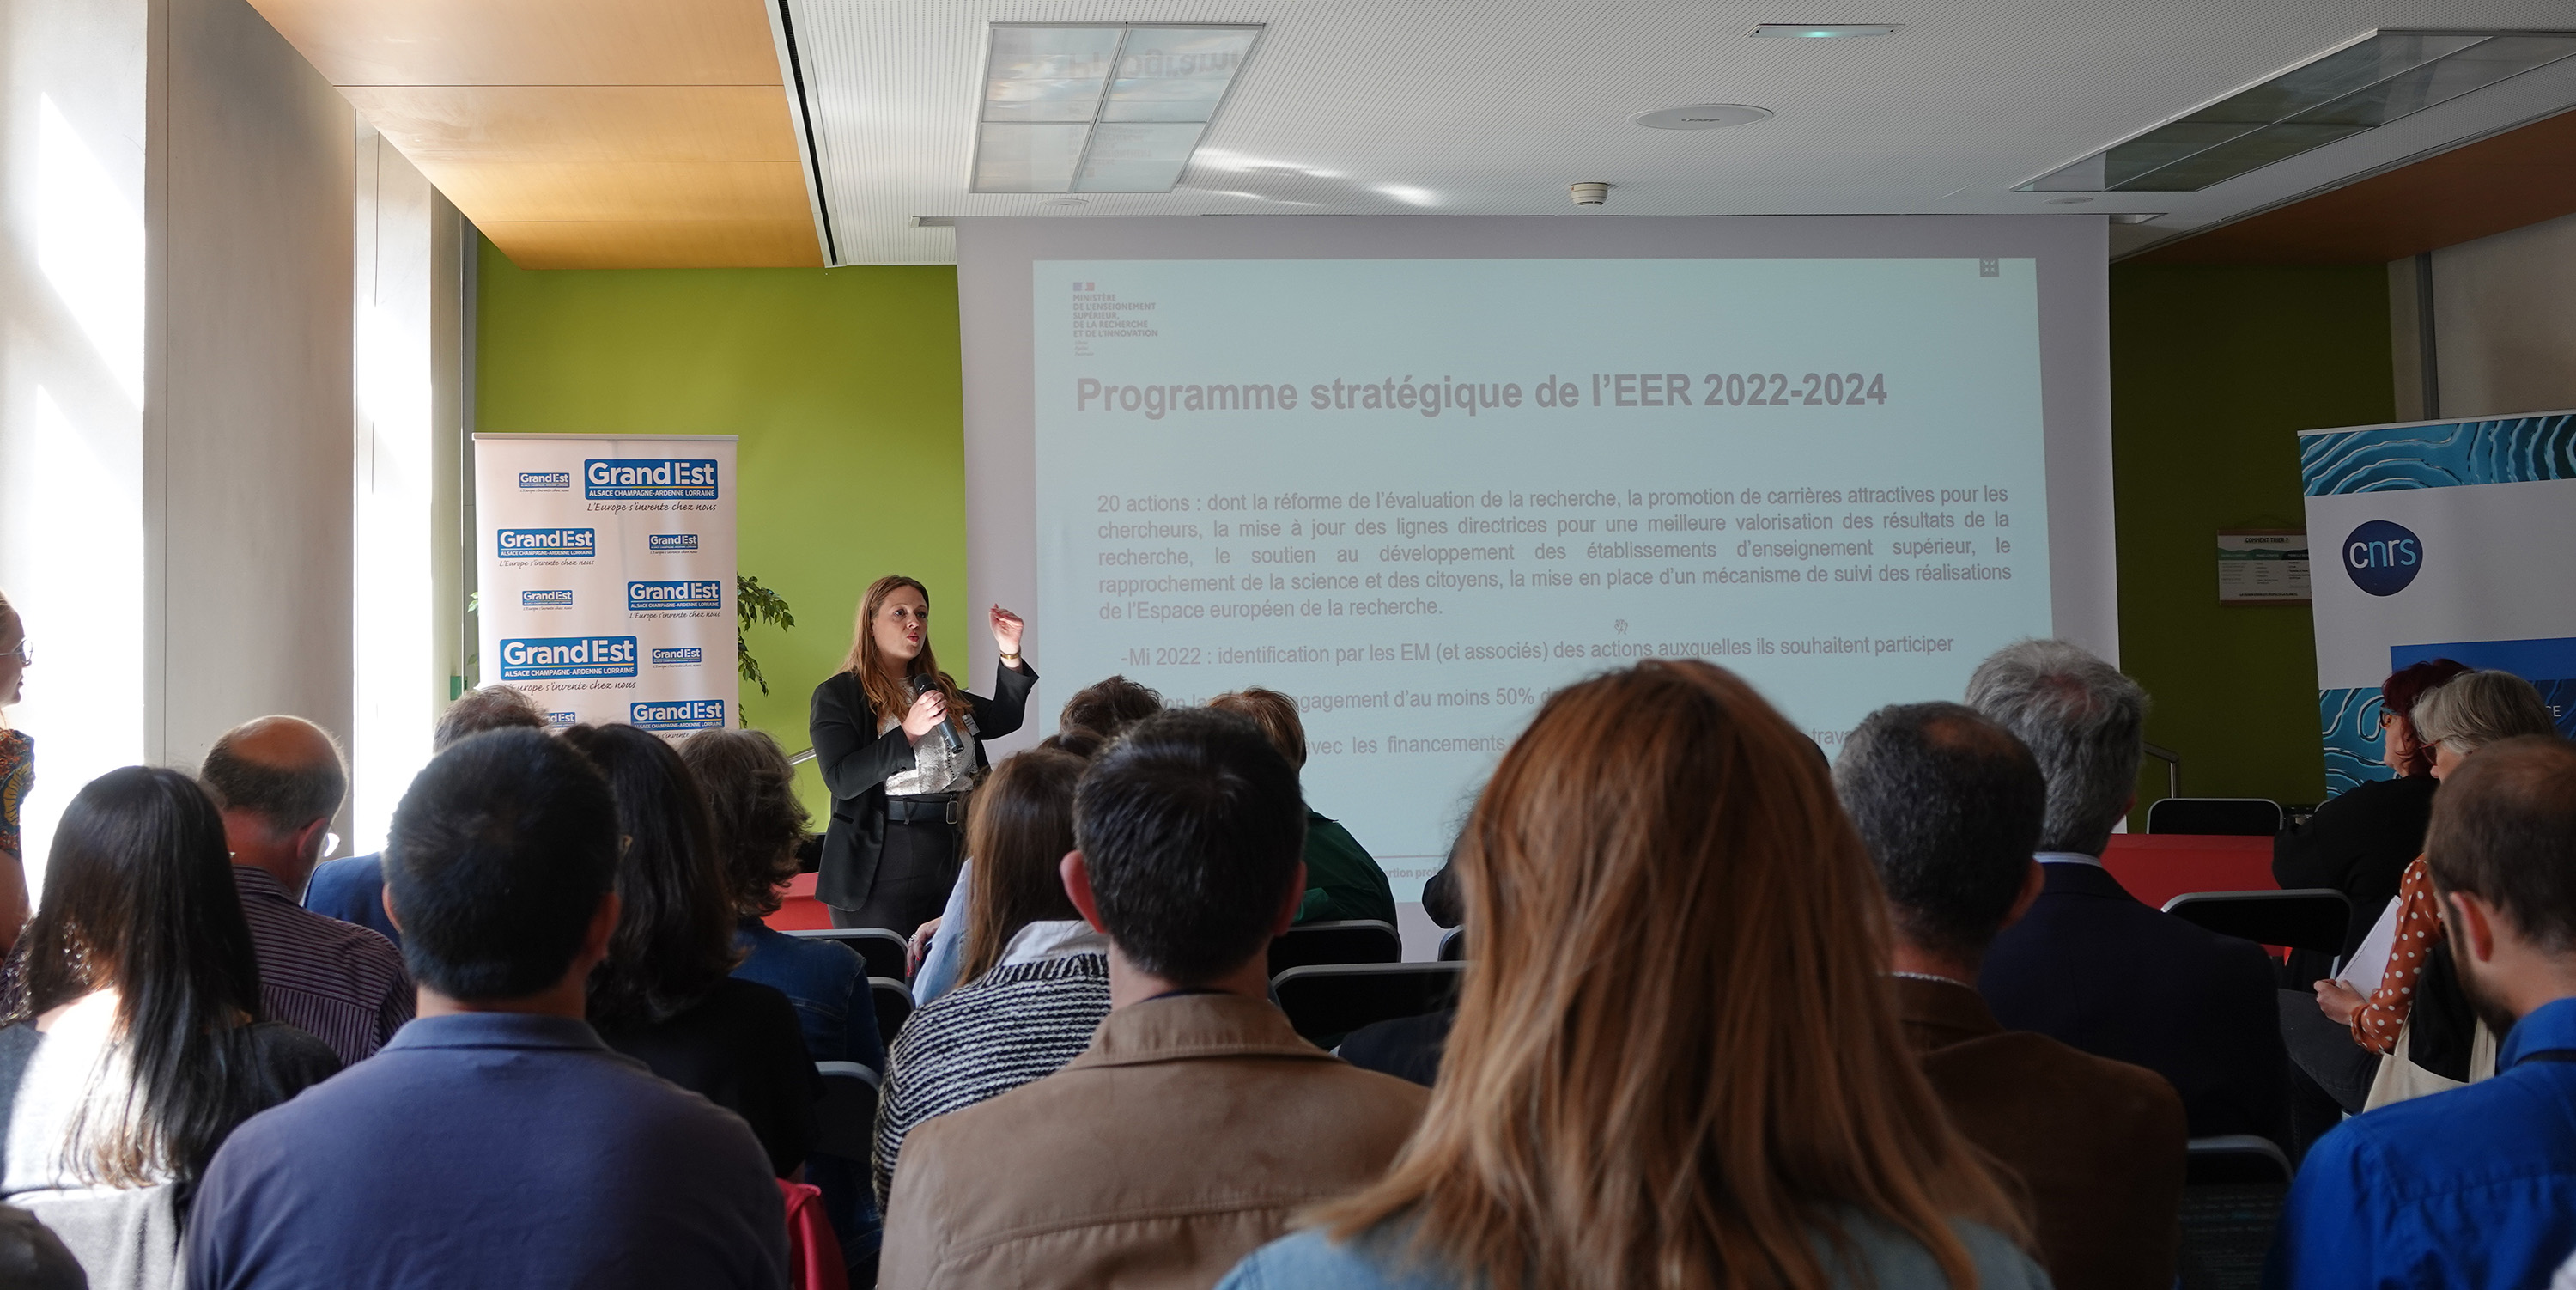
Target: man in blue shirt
{"x":496,"y":1141}
{"x":352,"y":888}
{"x":2477,"y":1186}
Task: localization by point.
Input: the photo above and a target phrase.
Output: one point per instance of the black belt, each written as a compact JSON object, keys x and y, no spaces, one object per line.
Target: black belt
{"x":944,"y":809}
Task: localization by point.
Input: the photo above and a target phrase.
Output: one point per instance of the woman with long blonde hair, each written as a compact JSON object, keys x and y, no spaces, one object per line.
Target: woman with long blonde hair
{"x":899,"y":744}
{"x":1676,"y":1063}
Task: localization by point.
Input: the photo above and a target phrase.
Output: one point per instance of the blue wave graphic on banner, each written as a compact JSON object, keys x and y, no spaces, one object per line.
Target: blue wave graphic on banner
{"x":2350,"y":720}
{"x":2512,"y":450}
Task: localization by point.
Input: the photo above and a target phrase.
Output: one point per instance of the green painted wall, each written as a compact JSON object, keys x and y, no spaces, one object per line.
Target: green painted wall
{"x":2213,"y":371}
{"x":842,"y":383}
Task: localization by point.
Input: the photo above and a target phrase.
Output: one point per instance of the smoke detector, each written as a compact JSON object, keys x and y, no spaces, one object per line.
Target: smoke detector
{"x":1591,"y":192}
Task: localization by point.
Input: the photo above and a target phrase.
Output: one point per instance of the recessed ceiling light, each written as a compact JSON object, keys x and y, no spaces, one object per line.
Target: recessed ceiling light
{"x":1812,"y":30}
{"x":2068,"y":201}
{"x":1702,"y":116}
{"x":2357,"y":88}
{"x":1100,"y":108}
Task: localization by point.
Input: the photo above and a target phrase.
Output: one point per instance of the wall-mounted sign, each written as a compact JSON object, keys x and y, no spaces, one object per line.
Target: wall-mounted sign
{"x":2262,"y":566}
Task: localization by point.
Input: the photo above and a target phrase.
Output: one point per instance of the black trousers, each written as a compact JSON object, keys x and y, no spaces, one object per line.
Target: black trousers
{"x":914,"y":872}
{"x":2325,"y":1052}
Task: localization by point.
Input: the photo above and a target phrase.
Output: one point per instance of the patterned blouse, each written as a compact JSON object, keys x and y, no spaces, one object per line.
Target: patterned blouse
{"x":17,"y":775}
{"x":2419,"y":928}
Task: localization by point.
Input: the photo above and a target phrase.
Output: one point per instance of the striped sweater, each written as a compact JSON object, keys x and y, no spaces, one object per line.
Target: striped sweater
{"x":1016,"y":1024}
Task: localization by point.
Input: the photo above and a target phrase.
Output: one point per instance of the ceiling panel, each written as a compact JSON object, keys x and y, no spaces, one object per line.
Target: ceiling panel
{"x":530,"y":42}
{"x":1494,"y":106}
{"x":657,"y":244}
{"x":510,"y":191}
{"x":464,"y":123}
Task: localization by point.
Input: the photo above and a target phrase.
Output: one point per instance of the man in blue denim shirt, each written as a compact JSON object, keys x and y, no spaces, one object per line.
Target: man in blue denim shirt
{"x":2477,"y":1186}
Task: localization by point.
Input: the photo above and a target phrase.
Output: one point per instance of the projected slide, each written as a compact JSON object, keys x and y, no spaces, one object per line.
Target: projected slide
{"x":1419,"y":494}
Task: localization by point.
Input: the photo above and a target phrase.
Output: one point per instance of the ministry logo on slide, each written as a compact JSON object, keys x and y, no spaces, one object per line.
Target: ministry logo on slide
{"x":550,"y":481}
{"x":649,"y":479}
{"x":690,"y":593}
{"x":676,"y":716}
{"x":687,"y":656}
{"x":2383,"y":557}
{"x":541,"y":544}
{"x":566,"y":658}
{"x":560,"y":598}
{"x":670,"y":543}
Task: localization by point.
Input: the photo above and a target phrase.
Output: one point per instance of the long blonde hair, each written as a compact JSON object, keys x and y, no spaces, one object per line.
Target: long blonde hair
{"x":884,"y":695}
{"x":1676,"y":1061}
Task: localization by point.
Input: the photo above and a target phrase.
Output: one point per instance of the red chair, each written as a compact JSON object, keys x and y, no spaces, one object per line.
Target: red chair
{"x":813,"y":1253}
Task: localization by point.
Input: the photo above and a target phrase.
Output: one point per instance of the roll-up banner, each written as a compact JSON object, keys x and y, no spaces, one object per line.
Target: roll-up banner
{"x":2446,"y":539}
{"x":607,"y":576}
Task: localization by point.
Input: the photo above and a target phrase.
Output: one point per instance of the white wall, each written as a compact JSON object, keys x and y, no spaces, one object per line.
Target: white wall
{"x":2504,"y":324}
{"x":174,"y":381}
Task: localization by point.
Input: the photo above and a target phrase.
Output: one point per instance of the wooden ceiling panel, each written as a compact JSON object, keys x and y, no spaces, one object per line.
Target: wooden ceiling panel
{"x":580,"y":123}
{"x":658,"y":244}
{"x":530,"y":42}
{"x":516,"y":192}
{"x":2506,"y":181}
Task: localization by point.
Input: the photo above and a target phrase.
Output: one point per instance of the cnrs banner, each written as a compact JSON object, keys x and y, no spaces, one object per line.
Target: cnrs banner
{"x":2440,"y":539}
{"x":607,"y":576}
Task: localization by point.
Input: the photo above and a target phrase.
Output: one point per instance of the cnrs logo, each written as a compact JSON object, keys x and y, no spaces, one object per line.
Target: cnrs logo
{"x":538,"y":544}
{"x":673,"y":716}
{"x":553,"y":481}
{"x":648,"y":478}
{"x":690,"y":656}
{"x":560,"y":598}
{"x":2382,"y":558}
{"x":691,"y":593}
{"x":670,"y":541}
{"x":559,"y":658}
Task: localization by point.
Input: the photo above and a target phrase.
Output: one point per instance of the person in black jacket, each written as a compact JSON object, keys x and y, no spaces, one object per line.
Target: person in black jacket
{"x":2361,"y":842}
{"x":899,"y":744}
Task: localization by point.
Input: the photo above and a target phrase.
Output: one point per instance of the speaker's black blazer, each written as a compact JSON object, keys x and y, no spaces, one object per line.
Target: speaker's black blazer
{"x":855,"y":761}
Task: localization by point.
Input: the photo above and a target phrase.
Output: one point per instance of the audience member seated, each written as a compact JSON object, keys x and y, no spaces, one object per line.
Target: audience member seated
{"x":1197,"y":1122}
{"x":666,"y":995}
{"x":17,"y":775}
{"x":1095,"y":715}
{"x":352,"y":889}
{"x":33,"y":1258}
{"x":2476,"y":1187}
{"x":1675,"y":1062}
{"x":138,"y":1047}
{"x":2359,"y":843}
{"x":2089,"y":965}
{"x":1037,"y":976}
{"x":1949,"y":805}
{"x":2455,"y":719}
{"x":1407,"y":1048}
{"x":757,"y":824}
{"x":496,"y":1141}
{"x":279,"y":780}
{"x":1343,"y":879}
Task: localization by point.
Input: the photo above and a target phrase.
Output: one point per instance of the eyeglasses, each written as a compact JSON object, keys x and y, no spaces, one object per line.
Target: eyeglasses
{"x":25,"y":653}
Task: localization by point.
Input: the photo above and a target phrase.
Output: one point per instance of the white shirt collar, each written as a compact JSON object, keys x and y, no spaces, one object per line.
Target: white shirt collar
{"x":1044,"y":942}
{"x":2067,"y":857}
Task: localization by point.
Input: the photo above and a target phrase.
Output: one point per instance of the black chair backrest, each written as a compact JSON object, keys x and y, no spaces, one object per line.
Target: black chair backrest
{"x":2312,"y":918}
{"x":1327,"y":1001}
{"x":2241,"y":816}
{"x":884,"y":950}
{"x":1355,"y":940}
{"x":1453,"y":946}
{"x":845,"y":1121}
{"x":2231,"y":1201}
{"x":894,"y":1005}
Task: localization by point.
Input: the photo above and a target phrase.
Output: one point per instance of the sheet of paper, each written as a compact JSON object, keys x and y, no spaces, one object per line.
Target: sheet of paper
{"x":2370,"y":961}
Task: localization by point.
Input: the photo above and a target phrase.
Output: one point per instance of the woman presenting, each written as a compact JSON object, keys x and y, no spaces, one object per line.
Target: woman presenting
{"x":899,"y":745}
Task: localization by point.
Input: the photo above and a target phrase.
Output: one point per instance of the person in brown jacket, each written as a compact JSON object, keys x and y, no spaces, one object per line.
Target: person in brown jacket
{"x":1950,"y":806}
{"x":1197,"y":1122}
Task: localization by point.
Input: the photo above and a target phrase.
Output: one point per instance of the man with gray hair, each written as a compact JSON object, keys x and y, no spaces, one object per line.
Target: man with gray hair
{"x":279,"y":780}
{"x":2090,"y":966}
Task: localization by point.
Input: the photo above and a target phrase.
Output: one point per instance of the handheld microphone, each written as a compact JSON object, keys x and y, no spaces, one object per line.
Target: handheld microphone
{"x":922,"y":685}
